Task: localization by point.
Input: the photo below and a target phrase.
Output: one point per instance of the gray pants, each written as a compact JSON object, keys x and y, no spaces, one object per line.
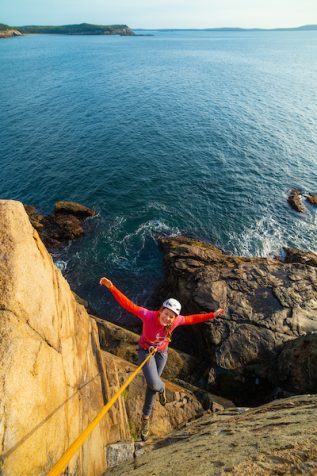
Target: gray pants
{"x":152,"y":371}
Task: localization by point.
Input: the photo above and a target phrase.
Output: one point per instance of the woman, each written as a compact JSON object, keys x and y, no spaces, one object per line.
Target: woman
{"x":156,"y":332}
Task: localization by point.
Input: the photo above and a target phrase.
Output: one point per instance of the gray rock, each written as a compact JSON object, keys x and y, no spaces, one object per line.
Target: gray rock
{"x":297,"y":364}
{"x":312,"y":198}
{"x":65,"y":224}
{"x":295,"y":201}
{"x":278,"y":438}
{"x":119,"y":453}
{"x":74,"y":208}
{"x":267,"y":301}
{"x":295,"y":256}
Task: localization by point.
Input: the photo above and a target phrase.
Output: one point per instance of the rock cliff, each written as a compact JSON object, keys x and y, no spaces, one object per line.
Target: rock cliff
{"x":268,"y":302}
{"x":53,"y":380}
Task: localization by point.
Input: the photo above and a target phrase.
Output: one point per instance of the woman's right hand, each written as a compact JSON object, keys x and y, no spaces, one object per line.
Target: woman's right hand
{"x":106,"y":282}
{"x":219,"y":312}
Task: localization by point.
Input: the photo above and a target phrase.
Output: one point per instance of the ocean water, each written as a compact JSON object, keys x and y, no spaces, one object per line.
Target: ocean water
{"x":195,"y":133}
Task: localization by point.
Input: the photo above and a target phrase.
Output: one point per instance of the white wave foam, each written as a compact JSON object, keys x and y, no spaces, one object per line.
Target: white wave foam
{"x":126,"y":251}
{"x":158,"y":206}
{"x":61,"y":265}
{"x":264,"y":238}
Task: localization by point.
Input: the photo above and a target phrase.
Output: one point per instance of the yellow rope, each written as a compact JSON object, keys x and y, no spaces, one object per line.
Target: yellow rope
{"x":64,"y":460}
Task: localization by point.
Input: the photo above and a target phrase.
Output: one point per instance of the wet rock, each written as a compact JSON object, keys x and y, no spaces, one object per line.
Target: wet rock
{"x":59,"y":229}
{"x":295,"y":201}
{"x":312,"y":198}
{"x":74,"y":208}
{"x":267,"y":301}
{"x":295,"y":256}
{"x":62,"y":226}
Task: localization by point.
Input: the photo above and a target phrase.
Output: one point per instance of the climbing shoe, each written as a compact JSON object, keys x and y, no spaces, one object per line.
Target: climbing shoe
{"x":162,"y":397}
{"x":145,"y":428}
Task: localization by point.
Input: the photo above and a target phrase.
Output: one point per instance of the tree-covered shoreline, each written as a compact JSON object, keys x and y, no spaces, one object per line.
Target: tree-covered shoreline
{"x":80,"y":29}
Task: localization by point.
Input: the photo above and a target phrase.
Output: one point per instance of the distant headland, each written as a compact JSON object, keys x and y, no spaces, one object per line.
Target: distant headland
{"x":81,"y":29}
{"x":229,"y":28}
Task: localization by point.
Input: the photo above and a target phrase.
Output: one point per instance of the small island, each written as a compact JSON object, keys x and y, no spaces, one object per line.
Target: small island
{"x":81,"y":29}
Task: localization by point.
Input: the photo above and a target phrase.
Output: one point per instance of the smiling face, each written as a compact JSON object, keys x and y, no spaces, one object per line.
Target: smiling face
{"x":166,"y":316}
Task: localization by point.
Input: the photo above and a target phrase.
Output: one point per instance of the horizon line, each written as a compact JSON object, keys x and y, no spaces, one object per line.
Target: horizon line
{"x":177,"y":28}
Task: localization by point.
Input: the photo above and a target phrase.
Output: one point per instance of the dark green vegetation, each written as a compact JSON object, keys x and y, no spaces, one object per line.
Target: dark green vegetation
{"x":4,"y":27}
{"x":81,"y":29}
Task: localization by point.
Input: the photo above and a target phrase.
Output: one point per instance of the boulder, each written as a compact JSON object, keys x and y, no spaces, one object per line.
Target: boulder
{"x":53,"y":378}
{"x":119,"y":453}
{"x":74,"y":208}
{"x":267,"y":303}
{"x":295,"y":200}
{"x":312,"y":198}
{"x":60,"y":228}
{"x":67,"y":223}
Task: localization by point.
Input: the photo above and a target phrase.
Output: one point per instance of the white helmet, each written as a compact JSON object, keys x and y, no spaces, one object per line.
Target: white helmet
{"x":173,"y":305}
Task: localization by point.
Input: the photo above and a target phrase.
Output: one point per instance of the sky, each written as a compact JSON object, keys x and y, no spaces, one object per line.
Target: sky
{"x":161,"y":13}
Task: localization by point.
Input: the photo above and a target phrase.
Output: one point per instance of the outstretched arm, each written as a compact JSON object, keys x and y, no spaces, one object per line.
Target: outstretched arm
{"x":196,"y":318}
{"x":120,"y":297}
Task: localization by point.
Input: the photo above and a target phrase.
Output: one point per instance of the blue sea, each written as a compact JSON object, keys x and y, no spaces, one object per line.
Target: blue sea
{"x":189,"y":132}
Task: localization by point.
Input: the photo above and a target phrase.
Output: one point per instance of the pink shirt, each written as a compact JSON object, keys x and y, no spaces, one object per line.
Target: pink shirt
{"x":153,"y":332}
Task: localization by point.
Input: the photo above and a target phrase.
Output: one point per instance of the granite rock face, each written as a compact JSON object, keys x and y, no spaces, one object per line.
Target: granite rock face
{"x":268,"y":302}
{"x":53,"y":380}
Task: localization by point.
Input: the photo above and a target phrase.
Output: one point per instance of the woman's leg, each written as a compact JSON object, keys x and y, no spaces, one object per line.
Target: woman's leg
{"x":152,"y":371}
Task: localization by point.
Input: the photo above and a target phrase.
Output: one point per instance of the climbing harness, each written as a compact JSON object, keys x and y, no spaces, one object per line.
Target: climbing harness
{"x":64,"y":460}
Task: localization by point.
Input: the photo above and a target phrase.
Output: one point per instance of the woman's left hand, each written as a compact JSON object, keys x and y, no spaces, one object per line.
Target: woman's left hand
{"x":106,"y":282}
{"x":219,"y":312}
